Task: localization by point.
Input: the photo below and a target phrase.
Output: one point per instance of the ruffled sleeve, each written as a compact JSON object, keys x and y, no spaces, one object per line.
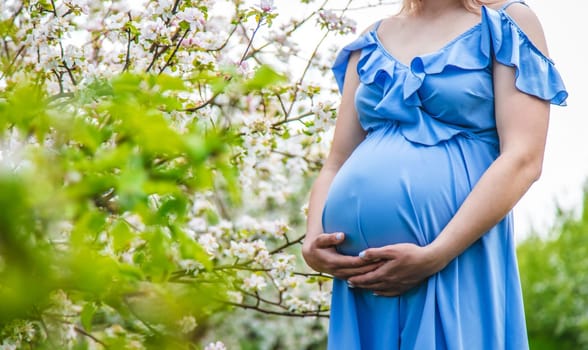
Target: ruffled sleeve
{"x":535,"y":74}
{"x":371,"y":61}
{"x":342,"y":60}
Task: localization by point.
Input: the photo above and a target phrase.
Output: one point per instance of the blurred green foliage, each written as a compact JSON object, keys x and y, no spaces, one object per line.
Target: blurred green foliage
{"x":90,"y":161}
{"x":554,"y":274}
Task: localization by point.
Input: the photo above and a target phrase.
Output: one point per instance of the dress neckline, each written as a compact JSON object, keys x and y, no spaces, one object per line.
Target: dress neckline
{"x":445,"y":46}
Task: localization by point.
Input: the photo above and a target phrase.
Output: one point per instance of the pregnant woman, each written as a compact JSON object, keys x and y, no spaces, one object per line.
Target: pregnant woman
{"x":440,"y":131}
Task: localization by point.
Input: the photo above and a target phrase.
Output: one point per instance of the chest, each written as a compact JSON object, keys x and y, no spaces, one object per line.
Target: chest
{"x":452,"y":92}
{"x":405,"y":39}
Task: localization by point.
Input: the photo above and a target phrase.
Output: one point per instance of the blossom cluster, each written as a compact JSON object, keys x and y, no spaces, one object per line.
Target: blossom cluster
{"x":333,"y":21}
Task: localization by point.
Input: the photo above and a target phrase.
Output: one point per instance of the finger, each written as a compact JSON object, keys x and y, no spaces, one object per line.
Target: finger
{"x":369,"y":278}
{"x":348,"y":273}
{"x":326,"y":240}
{"x":377,"y":253}
{"x":340,"y":261}
{"x":381,"y":285}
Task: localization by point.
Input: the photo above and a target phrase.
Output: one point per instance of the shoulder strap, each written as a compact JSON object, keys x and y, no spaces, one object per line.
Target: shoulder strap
{"x":510,"y":2}
{"x":376,"y":25}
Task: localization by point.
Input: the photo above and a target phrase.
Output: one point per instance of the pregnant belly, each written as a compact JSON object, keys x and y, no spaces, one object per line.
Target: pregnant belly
{"x":393,"y":191}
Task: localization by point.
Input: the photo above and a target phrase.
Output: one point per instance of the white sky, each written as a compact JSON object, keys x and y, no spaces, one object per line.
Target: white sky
{"x":566,"y":159}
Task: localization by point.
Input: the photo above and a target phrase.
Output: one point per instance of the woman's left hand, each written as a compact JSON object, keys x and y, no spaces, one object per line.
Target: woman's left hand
{"x":406,"y":265}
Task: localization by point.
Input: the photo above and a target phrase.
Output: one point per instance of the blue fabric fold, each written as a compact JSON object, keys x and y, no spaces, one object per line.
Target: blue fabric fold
{"x":411,"y":95}
{"x":535,"y":73}
{"x":366,"y":68}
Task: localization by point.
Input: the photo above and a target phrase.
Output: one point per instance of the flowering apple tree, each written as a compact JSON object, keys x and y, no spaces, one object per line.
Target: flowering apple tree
{"x":155,"y":156}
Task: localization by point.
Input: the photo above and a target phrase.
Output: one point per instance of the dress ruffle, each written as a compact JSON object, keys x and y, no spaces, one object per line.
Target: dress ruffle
{"x":495,"y":36}
{"x":451,"y":55}
{"x":370,"y":64}
{"x":377,"y":65}
{"x":535,"y":73}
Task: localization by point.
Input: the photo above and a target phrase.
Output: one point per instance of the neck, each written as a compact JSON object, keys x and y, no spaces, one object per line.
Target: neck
{"x":433,"y":8}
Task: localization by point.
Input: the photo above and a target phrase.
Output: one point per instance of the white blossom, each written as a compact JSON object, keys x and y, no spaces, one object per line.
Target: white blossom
{"x":197,"y":224}
{"x":242,"y":250}
{"x":334,"y":22}
{"x":60,"y":303}
{"x":152,"y":30}
{"x":296,"y":304}
{"x":283,"y":264}
{"x":266,"y":5}
{"x":319,"y":298}
{"x":254,"y":283}
{"x":235,"y":297}
{"x":190,"y":265}
{"x":218,"y":345}
{"x":209,"y":242}
{"x":8,"y":345}
{"x":187,"y":324}
{"x":82,"y":5}
{"x":70,"y":332}
{"x":263,"y":258}
{"x":192,"y":16}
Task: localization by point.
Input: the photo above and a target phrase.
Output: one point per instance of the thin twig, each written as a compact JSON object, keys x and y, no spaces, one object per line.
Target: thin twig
{"x":286,"y":245}
{"x":299,"y":117}
{"x":359,"y":8}
{"x":13,"y":61}
{"x":306,"y":69}
{"x":294,"y":28}
{"x":128,"y":56}
{"x":169,"y":59}
{"x":83,"y":332}
{"x":322,"y":314}
{"x":251,"y":40}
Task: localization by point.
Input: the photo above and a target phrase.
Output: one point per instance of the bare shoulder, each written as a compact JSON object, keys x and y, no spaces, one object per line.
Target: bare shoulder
{"x":372,"y":26}
{"x":529,"y":23}
{"x":394,"y":20}
{"x":390,"y":23}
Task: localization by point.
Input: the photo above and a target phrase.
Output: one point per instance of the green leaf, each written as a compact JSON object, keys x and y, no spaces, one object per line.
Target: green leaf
{"x":264,"y":77}
{"x":172,"y":207}
{"x":126,"y":84}
{"x":121,"y":236}
{"x":167,"y":82}
{"x":87,"y":226}
{"x":87,"y":315}
{"x":132,"y":272}
{"x":95,"y":90}
{"x":26,"y":108}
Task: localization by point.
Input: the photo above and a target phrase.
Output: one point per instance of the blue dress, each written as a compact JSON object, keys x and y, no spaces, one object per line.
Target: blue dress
{"x":431,"y":134}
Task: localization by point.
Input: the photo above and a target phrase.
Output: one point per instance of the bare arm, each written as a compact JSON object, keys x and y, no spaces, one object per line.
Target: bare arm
{"x":522,"y":122}
{"x":319,"y":248}
{"x":348,"y":134}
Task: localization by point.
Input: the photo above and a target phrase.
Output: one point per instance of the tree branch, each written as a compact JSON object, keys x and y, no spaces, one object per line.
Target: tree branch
{"x":314,"y":313}
{"x":251,"y":40}
{"x":83,"y":332}
{"x":169,"y":59}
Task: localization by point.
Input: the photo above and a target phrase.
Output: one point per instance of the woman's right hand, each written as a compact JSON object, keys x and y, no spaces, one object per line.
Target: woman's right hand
{"x":320,"y":254}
